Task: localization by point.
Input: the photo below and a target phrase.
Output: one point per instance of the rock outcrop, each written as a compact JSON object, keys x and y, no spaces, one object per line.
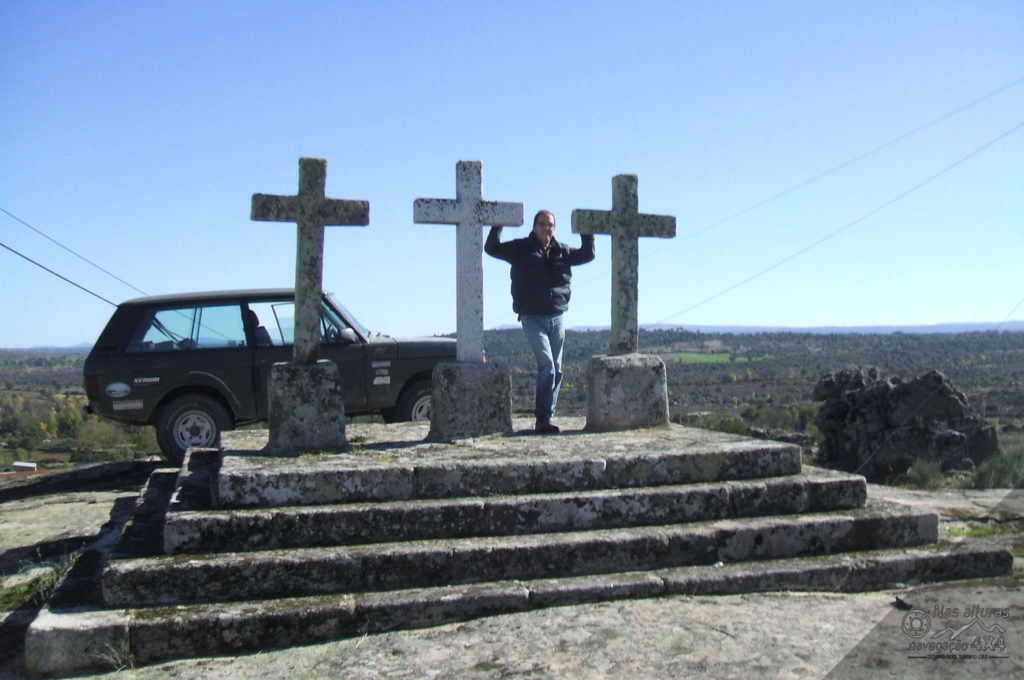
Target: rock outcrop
{"x":877,"y":426}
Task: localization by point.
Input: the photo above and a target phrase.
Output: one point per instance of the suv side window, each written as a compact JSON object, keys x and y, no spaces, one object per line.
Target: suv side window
{"x":277,"y":319}
{"x":273,"y":322}
{"x":193,"y":327}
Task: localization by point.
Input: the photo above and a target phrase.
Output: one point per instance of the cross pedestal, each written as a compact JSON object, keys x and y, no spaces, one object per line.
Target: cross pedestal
{"x":470,"y":398}
{"x":625,"y":389}
{"x":306,"y":411}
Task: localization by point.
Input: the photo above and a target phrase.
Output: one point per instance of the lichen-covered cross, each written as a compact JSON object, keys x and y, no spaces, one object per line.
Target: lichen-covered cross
{"x":625,"y":224}
{"x":311,"y":210}
{"x":469,"y":212}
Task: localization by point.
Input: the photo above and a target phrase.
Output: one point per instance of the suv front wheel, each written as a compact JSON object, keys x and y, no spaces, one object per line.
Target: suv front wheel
{"x":415,"y":402}
{"x":190,"y":420}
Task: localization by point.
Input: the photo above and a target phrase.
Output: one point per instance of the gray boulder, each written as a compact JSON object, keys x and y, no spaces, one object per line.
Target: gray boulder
{"x":878,"y":426}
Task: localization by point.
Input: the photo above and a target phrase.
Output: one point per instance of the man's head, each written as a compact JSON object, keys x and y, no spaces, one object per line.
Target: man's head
{"x":544,"y":226}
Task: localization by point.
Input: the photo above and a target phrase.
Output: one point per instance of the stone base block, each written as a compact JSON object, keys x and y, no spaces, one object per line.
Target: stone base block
{"x":306,"y":409}
{"x":626,"y":391}
{"x":470,"y":400}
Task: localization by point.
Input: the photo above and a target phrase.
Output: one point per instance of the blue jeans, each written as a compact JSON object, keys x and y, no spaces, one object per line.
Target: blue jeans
{"x":546,"y":335}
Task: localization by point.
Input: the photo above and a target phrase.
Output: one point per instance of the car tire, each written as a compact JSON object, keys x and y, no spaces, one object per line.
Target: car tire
{"x":415,"y":402}
{"x":191,"y":420}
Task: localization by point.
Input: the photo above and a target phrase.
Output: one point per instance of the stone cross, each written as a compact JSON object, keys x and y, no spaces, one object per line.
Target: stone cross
{"x":311,"y":210}
{"x":625,"y":224}
{"x":469,"y":212}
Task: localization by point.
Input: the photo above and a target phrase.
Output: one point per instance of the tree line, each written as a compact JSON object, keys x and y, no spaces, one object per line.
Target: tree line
{"x":42,"y":407}
{"x":726,"y":381}
{"x":779,"y":370}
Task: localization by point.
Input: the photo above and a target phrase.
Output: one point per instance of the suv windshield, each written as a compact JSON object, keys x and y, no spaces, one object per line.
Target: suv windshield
{"x":360,"y":328}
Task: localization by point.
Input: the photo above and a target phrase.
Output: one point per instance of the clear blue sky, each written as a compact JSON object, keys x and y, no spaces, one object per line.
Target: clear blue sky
{"x":135,"y":133}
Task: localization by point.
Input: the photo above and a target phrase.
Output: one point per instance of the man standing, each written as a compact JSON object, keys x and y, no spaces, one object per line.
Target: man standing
{"x":541,"y":273}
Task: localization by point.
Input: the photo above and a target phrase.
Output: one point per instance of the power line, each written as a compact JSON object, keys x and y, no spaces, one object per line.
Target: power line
{"x":815,"y":178}
{"x":851,"y":224}
{"x":1010,"y":313}
{"x":837,"y":168}
{"x":80,"y":257}
{"x":64,"y":278}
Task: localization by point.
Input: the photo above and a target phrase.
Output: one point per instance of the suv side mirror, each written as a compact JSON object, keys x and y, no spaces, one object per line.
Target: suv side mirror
{"x":347,"y":337}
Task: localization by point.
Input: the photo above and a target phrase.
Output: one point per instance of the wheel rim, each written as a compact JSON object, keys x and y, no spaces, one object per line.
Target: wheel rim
{"x":195,"y":428}
{"x":420,"y":409}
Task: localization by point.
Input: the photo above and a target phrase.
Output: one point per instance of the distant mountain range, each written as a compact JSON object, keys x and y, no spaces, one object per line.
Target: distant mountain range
{"x":1012,"y":326}
{"x":80,"y":348}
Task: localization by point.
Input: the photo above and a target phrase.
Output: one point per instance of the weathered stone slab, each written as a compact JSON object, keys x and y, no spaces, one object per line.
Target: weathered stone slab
{"x":847,"y":573}
{"x":197,"y":480}
{"x":144,"y":532}
{"x":60,"y":643}
{"x":72,"y":641}
{"x":407,"y":468}
{"x":414,"y":564}
{"x":419,"y":607}
{"x":470,"y":400}
{"x":210,"y":530}
{"x":307,"y":412}
{"x":557,"y":592}
{"x":626,"y":391}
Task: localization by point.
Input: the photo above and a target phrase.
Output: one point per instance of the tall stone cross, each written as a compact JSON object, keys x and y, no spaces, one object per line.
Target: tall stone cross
{"x":311,"y":210}
{"x":625,"y":224}
{"x":469,"y":212}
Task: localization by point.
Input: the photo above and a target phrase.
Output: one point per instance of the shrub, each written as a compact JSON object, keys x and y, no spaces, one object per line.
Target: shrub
{"x":93,"y":434}
{"x":143,"y":438}
{"x":924,"y":474}
{"x":1005,"y":470}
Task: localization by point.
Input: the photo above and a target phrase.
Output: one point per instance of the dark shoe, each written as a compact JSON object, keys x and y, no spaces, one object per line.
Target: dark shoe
{"x":545,"y":427}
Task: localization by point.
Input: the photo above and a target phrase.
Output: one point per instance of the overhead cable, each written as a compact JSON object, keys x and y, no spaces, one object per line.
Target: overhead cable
{"x":80,"y":257}
{"x":852,"y":223}
{"x":844,"y":164}
{"x":59,"y":276}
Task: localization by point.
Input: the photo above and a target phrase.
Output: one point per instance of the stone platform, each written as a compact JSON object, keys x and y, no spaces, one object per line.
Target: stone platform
{"x":243,"y":552}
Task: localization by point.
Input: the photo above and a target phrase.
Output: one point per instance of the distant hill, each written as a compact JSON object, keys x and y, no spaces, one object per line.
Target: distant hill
{"x":730,"y":368}
{"x":80,"y":348}
{"x":1014,"y":326}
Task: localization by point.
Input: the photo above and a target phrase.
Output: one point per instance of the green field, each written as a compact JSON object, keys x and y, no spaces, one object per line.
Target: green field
{"x":706,"y":357}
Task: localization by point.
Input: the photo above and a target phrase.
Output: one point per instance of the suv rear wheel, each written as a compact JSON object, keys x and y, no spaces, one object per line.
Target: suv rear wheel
{"x":190,"y":420}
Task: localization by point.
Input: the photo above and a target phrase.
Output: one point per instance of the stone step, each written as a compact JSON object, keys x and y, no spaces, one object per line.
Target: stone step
{"x":384,"y":470}
{"x":218,"y":530}
{"x":76,"y":639}
{"x":177,"y":579}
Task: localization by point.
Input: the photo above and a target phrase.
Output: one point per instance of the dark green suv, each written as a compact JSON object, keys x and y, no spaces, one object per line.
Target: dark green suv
{"x":198,"y":363}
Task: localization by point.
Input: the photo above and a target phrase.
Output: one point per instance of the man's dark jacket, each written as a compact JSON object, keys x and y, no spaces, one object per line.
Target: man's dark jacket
{"x":540,"y":276}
